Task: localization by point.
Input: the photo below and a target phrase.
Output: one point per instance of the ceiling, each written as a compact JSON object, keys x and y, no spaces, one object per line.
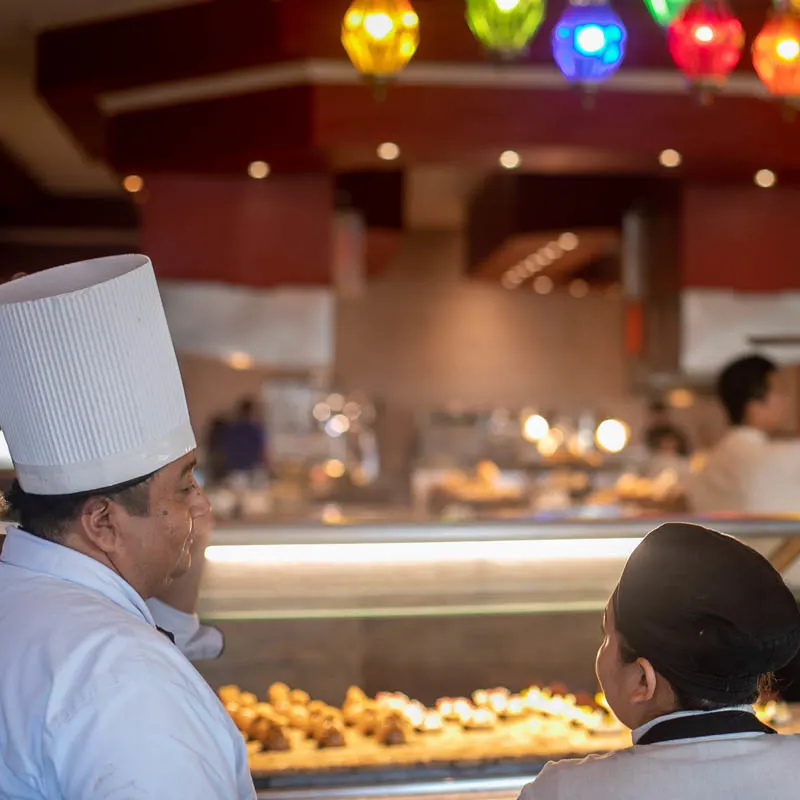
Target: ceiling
{"x":134,"y":91}
{"x":29,"y":131}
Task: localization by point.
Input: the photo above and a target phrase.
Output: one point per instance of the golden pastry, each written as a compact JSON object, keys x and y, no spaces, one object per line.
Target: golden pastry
{"x":245,"y":717}
{"x":393,"y":730}
{"x":299,"y":717}
{"x":232,"y":707}
{"x":278,"y":693}
{"x":480,"y":719}
{"x":432,"y":723}
{"x":515,"y":707}
{"x":481,"y":698}
{"x":229,"y":694}
{"x":316,"y":705}
{"x":330,"y":734}
{"x":446,"y":707}
{"x":414,"y":713}
{"x":355,"y":695}
{"x":369,"y":721}
{"x":352,"y":713}
{"x":247,"y":699}
{"x":297,"y":697}
{"x":272,"y":737}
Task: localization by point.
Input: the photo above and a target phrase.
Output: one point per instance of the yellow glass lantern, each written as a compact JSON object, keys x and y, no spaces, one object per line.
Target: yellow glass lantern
{"x":380,"y":36}
{"x":776,"y":52}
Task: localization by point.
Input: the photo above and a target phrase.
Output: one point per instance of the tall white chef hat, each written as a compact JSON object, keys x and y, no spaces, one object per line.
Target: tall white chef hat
{"x":90,"y":391}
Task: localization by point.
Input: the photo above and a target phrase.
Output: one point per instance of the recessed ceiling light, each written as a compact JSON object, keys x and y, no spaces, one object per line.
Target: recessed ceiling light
{"x":765,"y":178}
{"x":543,"y":285}
{"x":388,"y":151}
{"x":568,"y":241}
{"x":670,"y":158}
{"x":258,"y":170}
{"x":510,"y":159}
{"x":579,"y":288}
{"x":133,"y":184}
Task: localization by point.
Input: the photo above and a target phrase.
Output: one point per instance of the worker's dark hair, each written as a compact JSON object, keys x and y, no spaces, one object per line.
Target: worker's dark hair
{"x":762,"y":686}
{"x":246,"y":407}
{"x":657,"y":434}
{"x":742,"y":382}
{"x":49,"y":516}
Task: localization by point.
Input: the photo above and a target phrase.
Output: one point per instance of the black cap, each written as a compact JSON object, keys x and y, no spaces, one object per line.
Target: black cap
{"x":709,"y":613}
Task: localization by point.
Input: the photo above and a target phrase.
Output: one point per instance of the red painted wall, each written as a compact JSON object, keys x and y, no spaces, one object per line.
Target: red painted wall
{"x":741,"y":237}
{"x":238,"y":230}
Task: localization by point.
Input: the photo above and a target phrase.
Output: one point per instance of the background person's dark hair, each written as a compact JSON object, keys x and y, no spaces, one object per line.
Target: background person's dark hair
{"x":50,"y":516}
{"x":762,"y":686}
{"x":246,"y":408}
{"x":743,"y":381}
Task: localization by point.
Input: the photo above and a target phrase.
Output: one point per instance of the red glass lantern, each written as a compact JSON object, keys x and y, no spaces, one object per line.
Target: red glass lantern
{"x":776,"y":52}
{"x":705,"y":41}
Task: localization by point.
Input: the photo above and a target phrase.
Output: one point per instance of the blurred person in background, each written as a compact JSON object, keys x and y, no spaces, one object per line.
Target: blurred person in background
{"x":747,"y":472}
{"x":662,"y":434}
{"x":245,"y":444}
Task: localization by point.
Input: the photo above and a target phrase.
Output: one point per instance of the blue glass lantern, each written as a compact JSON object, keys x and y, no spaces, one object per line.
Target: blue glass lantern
{"x":589,"y":41}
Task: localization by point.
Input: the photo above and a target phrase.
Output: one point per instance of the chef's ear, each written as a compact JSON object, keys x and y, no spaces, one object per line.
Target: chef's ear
{"x":100,"y":523}
{"x":648,"y":681}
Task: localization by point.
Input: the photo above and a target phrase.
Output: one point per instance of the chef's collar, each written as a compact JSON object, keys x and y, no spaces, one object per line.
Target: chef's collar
{"x":32,"y":553}
{"x":637,"y":733}
{"x":746,"y":433}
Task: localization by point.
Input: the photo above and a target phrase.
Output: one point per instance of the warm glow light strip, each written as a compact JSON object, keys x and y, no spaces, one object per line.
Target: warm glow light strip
{"x":424,"y":552}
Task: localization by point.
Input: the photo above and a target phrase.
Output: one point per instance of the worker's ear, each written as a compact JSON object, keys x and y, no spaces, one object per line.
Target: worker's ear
{"x":102,"y":520}
{"x":645,"y":689}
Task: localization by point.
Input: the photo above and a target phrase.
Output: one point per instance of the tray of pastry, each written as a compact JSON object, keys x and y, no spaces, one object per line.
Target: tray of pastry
{"x":296,"y":741}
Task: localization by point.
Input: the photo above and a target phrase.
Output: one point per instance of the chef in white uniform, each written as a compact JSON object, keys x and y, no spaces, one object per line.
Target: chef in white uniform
{"x":695,"y":623}
{"x":746,"y":473}
{"x":96,"y":701}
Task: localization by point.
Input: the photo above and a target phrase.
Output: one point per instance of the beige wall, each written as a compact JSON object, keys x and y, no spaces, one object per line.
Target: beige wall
{"x":424,"y":336}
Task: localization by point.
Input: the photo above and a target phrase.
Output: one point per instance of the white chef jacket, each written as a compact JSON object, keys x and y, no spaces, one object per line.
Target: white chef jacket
{"x":741,"y":766}
{"x":95,"y":703}
{"x":197,"y":642}
{"x":746,"y":473}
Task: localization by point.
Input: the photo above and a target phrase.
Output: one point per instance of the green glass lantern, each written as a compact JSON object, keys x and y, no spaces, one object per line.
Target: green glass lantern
{"x":505,"y":27}
{"x":664,"y":11}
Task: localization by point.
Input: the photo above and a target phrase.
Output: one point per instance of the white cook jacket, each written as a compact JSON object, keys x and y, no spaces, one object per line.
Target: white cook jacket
{"x":742,"y":766}
{"x":95,"y":703}
{"x":745,"y":473}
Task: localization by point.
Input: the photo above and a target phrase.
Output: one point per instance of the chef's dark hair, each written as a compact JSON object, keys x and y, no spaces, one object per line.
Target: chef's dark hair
{"x":742,"y":382}
{"x":49,"y":516}
{"x":762,"y":686}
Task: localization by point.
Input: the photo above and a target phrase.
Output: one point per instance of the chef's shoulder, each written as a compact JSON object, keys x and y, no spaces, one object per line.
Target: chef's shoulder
{"x":572,"y":778}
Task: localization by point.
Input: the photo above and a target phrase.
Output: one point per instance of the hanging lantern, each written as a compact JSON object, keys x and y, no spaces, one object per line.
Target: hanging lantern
{"x":589,"y":41}
{"x":505,"y":27}
{"x":776,"y":52}
{"x":705,"y":41}
{"x":664,"y":11}
{"x":380,"y":36}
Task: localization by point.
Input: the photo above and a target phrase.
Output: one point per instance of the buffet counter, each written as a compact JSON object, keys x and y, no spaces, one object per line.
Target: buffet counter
{"x":428,"y":611}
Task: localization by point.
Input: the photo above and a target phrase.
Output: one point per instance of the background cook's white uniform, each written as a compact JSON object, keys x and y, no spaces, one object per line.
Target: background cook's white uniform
{"x":97,"y":704}
{"x":745,"y":766}
{"x":746,"y":473}
{"x":197,"y":642}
